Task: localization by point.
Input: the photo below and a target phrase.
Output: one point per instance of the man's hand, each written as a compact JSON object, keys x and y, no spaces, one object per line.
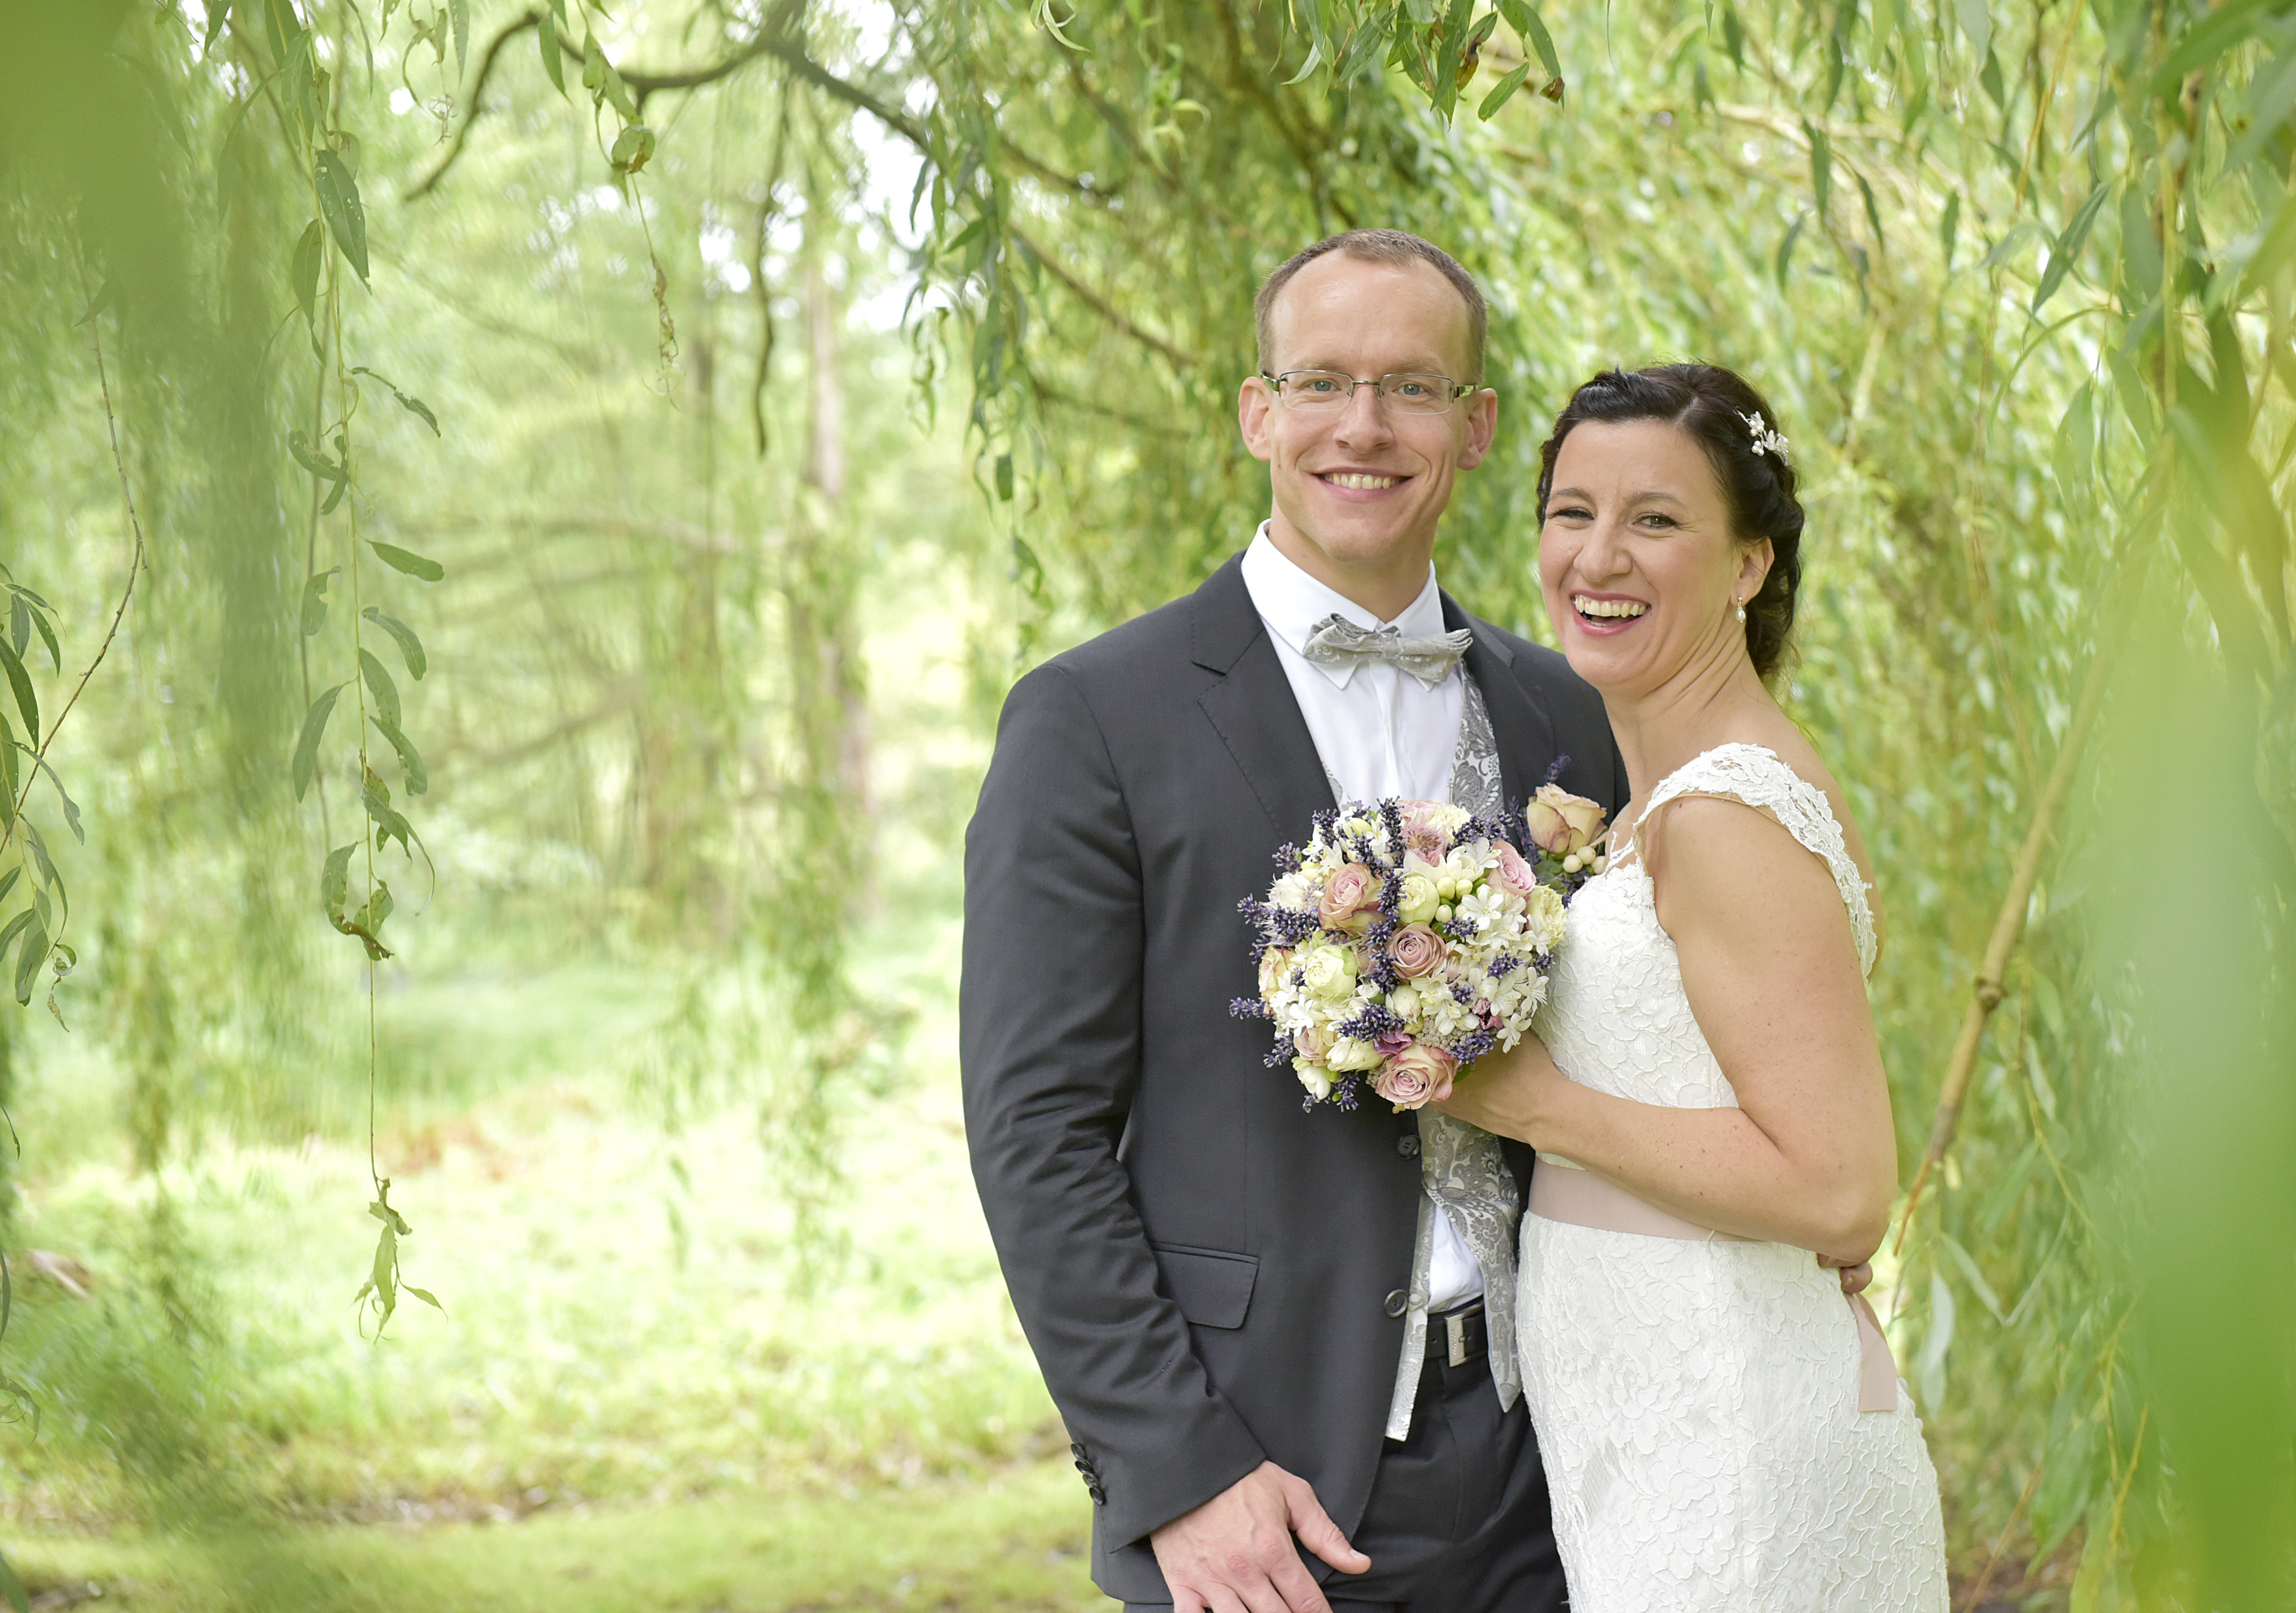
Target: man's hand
{"x":1233,"y":1553}
{"x":1854,"y":1279}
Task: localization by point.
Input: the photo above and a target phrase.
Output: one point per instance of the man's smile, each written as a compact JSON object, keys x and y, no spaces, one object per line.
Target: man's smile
{"x":1360,"y":482}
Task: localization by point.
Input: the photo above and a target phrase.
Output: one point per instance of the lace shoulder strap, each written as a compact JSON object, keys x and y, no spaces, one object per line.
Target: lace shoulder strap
{"x":1758,"y":776}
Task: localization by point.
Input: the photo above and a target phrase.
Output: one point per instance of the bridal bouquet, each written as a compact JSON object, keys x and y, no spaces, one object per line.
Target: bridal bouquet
{"x":1406,"y":940}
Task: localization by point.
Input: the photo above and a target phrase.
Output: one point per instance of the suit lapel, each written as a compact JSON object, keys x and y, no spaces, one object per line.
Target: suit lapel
{"x":1252,"y":708}
{"x":1518,"y":722}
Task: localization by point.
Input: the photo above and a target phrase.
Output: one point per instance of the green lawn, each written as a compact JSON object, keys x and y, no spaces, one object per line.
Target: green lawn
{"x":1014,"y":1542}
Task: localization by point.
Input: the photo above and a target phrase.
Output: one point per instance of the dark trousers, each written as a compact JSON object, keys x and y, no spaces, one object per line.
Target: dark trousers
{"x":1457,"y":1520}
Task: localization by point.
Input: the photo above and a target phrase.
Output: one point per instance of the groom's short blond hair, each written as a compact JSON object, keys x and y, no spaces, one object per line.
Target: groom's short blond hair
{"x":1397,"y":247}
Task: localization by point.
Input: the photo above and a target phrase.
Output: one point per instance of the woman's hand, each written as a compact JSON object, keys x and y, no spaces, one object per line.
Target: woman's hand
{"x":1510,"y":1094}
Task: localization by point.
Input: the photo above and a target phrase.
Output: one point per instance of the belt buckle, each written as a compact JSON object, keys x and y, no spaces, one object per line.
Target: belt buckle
{"x":1454,"y":1326}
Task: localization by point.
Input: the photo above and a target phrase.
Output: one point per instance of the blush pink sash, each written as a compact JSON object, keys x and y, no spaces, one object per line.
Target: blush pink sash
{"x":1583,"y":1199}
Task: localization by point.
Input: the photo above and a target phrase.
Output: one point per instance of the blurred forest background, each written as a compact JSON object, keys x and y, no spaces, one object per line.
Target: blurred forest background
{"x":517,"y":520}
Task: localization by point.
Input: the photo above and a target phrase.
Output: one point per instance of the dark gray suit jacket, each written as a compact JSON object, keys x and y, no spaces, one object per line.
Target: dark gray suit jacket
{"x":1200,"y":1268}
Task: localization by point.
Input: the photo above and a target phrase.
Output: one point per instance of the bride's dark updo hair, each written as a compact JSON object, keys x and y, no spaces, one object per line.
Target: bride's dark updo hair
{"x":1712,"y":404}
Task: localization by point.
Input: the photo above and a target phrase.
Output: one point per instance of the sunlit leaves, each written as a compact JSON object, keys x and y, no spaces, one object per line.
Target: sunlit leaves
{"x":339,"y":206}
{"x":2065,"y":250}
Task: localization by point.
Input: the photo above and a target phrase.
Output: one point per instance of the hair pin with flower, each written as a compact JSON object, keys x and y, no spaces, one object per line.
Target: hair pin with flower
{"x":1766,"y":440}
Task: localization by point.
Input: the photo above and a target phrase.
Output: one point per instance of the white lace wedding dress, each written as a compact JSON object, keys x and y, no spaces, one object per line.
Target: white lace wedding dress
{"x":1697,"y":1402}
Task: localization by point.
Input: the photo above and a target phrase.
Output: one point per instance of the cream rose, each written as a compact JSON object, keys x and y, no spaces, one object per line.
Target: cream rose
{"x":1348,"y":1054}
{"x":1327,"y":971}
{"x":1419,"y":899}
{"x":1541,"y":916}
{"x":1350,"y":898}
{"x":1416,"y":951}
{"x":1562,"y":823}
{"x":1312,"y":1042}
{"x":1416,"y":1077}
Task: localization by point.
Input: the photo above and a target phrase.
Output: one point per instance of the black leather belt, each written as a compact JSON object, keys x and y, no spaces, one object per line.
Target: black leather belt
{"x":1456,"y":1338}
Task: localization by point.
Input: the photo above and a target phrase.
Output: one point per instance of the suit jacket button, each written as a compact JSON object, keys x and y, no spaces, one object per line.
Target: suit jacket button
{"x":1398,"y":1301}
{"x":1407,"y":1145}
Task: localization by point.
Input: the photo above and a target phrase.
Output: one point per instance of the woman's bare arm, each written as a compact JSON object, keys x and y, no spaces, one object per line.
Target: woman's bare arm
{"x":1809,"y":1158}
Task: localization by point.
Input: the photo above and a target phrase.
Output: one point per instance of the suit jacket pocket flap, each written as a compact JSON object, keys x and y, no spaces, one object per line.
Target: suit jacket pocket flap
{"x":1213,"y":1289}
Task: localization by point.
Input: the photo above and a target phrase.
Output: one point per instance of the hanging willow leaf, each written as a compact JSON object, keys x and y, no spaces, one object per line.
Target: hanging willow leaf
{"x":389,"y":823}
{"x":409,"y":646}
{"x":21,"y":681}
{"x":378,"y":680}
{"x":2065,"y":250}
{"x":1524,"y":19}
{"x":633,"y":149}
{"x":412,"y":404}
{"x":418,"y":777}
{"x":553,"y":57}
{"x":306,"y":744}
{"x":403,"y":560}
{"x":339,"y":205}
{"x":38,"y":609}
{"x":315,"y":601}
{"x":1502,"y":91}
{"x":459,"y":10}
{"x":1948,"y":228}
{"x":28,"y":961}
{"x":71,"y":807}
{"x":335,"y":882}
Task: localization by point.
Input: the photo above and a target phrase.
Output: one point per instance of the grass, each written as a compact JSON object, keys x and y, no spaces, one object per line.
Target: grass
{"x":1015,"y":1543}
{"x":641,"y":1392}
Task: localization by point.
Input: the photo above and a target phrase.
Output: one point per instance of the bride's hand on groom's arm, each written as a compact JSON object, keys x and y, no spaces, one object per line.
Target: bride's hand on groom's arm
{"x":1233,"y":1553}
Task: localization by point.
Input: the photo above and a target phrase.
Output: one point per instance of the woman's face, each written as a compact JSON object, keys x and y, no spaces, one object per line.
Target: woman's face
{"x":1641,"y":573}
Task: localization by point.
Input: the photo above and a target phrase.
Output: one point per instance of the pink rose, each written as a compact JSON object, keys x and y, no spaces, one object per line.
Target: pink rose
{"x":1420,"y":834}
{"x":1416,"y":1077}
{"x":1350,"y":897}
{"x":1390,"y":1042}
{"x":1417,"y":951}
{"x":1562,"y":823}
{"x":1513,"y":874}
{"x":1312,"y":1042}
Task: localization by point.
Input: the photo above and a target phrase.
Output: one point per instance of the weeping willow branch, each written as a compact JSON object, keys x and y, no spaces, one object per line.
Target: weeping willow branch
{"x":510,"y":31}
{"x":135,"y":566}
{"x":2009,"y":926}
{"x":1179,"y":358}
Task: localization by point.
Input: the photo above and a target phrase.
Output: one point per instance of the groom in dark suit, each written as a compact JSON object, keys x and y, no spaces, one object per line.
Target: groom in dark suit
{"x":1282,"y":1342}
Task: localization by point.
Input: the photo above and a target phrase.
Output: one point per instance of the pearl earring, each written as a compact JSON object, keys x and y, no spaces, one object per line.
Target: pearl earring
{"x":1741,"y":612}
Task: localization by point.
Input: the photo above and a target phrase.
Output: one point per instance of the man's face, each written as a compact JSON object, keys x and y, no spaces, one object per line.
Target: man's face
{"x":1361,"y":489}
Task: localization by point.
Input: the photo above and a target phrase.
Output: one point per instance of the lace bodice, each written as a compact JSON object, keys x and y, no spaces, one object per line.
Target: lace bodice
{"x":1697,"y":1401}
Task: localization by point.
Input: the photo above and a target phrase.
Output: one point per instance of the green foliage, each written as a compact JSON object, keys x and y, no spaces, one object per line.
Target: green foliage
{"x":2017,"y":280}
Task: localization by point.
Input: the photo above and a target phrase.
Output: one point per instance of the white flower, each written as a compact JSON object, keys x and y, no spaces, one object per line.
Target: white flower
{"x":1314,"y":1077}
{"x":1481,"y":910}
{"x":1349,"y":1054}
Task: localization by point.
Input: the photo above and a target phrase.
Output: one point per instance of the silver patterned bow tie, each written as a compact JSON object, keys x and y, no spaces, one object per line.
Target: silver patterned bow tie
{"x":1339,"y":642}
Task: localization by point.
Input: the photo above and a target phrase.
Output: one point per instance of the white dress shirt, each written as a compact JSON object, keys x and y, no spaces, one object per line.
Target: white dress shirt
{"x":1380,"y":732}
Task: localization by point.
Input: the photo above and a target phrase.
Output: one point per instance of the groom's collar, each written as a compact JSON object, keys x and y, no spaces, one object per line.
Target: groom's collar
{"x":1223,"y":622}
{"x":1293,"y":604}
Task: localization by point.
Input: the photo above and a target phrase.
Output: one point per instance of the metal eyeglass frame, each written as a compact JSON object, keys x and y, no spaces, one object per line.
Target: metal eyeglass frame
{"x":1453,"y":389}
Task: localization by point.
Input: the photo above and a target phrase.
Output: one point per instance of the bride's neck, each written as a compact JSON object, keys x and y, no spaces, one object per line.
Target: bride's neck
{"x":1660,"y":729}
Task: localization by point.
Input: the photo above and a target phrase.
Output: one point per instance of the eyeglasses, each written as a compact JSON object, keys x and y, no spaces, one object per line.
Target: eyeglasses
{"x":1324,"y":391}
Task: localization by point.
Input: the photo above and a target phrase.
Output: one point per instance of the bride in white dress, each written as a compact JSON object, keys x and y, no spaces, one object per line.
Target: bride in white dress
{"x":1721,"y":1428}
